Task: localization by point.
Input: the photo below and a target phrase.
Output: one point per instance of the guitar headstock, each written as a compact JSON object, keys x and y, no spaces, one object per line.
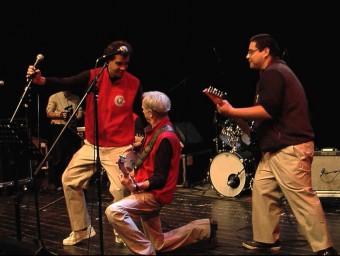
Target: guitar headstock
{"x":215,"y":94}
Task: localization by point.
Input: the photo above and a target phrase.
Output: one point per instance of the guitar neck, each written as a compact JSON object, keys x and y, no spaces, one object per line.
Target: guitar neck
{"x":217,"y":96}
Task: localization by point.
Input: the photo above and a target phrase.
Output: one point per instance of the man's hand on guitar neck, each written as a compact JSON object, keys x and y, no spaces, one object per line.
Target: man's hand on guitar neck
{"x":224,"y":108}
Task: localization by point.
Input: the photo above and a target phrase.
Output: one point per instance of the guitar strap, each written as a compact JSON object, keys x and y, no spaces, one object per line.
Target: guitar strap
{"x":147,"y":149}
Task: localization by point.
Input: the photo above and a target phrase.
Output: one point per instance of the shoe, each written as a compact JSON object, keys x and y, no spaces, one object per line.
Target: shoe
{"x":212,"y":240}
{"x":213,"y":228}
{"x":77,"y":236}
{"x":328,"y":251}
{"x":253,"y":245}
{"x":118,"y":239}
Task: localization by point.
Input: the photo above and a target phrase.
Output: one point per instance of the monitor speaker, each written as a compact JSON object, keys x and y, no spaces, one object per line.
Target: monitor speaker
{"x":326,"y":175}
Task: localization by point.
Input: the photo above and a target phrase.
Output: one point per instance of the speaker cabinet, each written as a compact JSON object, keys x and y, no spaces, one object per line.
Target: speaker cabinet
{"x":326,"y":174}
{"x":193,"y":168}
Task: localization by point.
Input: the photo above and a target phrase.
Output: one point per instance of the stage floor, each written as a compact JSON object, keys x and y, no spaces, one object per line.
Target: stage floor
{"x":21,"y":227}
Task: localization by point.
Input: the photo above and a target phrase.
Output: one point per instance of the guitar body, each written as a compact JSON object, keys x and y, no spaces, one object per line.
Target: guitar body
{"x":127,"y":163}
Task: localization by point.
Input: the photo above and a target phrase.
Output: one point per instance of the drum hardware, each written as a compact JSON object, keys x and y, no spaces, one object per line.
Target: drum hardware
{"x":81,"y":131}
{"x":219,"y":145}
{"x":230,"y":135}
{"x":234,"y":180}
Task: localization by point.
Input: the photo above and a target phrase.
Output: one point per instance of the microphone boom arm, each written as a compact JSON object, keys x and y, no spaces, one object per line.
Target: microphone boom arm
{"x":39,"y":58}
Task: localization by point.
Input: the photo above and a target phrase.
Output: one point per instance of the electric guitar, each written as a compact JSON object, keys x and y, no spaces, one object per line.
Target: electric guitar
{"x":127,"y":163}
{"x":217,"y":97}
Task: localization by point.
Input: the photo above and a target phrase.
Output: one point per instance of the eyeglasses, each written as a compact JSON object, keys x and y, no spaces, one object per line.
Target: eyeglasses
{"x":251,"y":52}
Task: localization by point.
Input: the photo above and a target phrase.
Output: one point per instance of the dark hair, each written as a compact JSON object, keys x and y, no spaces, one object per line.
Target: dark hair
{"x":115,"y":45}
{"x":265,"y":40}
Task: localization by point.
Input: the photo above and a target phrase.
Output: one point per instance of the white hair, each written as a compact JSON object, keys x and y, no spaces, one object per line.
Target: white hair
{"x":157,"y":101}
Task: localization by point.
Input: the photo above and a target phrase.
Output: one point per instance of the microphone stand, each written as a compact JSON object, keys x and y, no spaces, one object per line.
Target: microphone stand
{"x":17,"y":196}
{"x":182,"y":82}
{"x":21,"y":99}
{"x":40,"y":243}
{"x":94,"y":88}
{"x":98,"y":172}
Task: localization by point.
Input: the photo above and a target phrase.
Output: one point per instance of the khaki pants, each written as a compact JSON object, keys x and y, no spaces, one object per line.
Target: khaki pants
{"x":144,"y":207}
{"x":288,"y":171}
{"x":78,"y":173}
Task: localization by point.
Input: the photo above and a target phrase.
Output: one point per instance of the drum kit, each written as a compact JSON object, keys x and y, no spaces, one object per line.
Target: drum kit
{"x":233,"y":168}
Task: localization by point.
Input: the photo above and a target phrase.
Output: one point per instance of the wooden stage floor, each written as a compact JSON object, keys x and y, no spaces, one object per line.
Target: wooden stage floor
{"x":21,"y":228}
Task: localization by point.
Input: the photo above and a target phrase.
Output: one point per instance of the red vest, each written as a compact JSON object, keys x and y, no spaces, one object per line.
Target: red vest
{"x":163,"y":195}
{"x":115,"y":110}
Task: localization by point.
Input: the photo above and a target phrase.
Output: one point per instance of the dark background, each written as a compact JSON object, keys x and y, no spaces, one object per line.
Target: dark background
{"x":181,"y":47}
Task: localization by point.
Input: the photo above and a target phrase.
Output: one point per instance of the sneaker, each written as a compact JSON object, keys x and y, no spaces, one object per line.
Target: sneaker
{"x":328,"y":251}
{"x":118,"y":239}
{"x":77,"y":236}
{"x":253,"y":245}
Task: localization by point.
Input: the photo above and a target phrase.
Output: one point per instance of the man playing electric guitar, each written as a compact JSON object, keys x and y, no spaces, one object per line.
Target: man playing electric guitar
{"x":153,"y":186}
{"x":286,"y":139}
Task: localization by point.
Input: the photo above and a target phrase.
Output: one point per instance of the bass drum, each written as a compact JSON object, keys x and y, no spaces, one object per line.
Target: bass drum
{"x":231,"y":174}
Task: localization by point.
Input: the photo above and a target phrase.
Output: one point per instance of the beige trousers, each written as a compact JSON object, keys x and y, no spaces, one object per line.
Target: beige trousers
{"x":78,"y":173}
{"x":144,"y":207}
{"x":288,"y":171}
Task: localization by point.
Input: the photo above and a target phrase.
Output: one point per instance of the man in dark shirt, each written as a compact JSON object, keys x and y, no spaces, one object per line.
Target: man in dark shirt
{"x":285,"y":136}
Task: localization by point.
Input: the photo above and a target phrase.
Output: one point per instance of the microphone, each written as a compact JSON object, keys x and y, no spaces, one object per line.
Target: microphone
{"x":322,"y":172}
{"x":39,"y":58}
{"x":2,"y":83}
{"x":231,"y":182}
{"x":122,"y":49}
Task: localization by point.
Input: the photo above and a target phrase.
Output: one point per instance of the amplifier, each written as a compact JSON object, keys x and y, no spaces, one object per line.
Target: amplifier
{"x":326,"y":173}
{"x":193,"y":168}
